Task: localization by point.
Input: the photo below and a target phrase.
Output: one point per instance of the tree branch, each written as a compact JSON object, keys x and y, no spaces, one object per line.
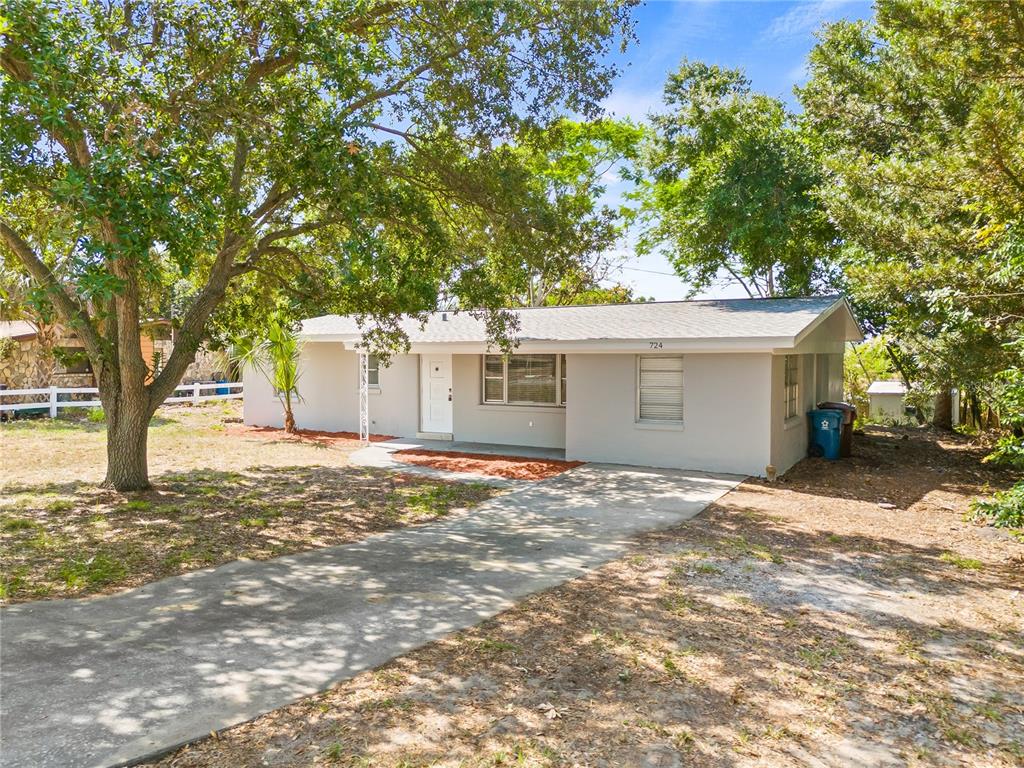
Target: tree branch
{"x":68,"y":309}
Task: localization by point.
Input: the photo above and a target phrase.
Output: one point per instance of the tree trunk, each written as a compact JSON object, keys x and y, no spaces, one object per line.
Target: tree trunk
{"x":943,"y":418}
{"x":289,"y":416}
{"x":127,"y":432}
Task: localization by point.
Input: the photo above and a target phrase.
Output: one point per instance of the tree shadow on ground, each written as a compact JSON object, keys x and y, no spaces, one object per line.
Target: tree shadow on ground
{"x":202,"y":518}
{"x":691,"y":656}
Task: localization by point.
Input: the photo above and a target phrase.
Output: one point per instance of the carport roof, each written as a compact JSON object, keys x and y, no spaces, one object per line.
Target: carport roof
{"x":767,"y":322}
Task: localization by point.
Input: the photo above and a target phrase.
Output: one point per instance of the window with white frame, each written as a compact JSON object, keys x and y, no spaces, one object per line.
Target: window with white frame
{"x":523,"y":379}
{"x":373,"y":371}
{"x":660,"y":388}
{"x":561,"y":379}
{"x":792,"y":379}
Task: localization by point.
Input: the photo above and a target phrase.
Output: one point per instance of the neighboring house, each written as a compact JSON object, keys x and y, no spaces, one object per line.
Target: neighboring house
{"x":885,"y":401}
{"x":31,"y":358}
{"x":713,"y":385}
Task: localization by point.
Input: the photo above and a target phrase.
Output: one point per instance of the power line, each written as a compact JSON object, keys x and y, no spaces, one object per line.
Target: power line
{"x":650,"y":271}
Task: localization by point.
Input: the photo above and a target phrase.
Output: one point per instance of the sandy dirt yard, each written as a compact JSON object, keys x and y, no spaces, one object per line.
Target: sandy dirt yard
{"x":846,"y":615}
{"x":221,"y":492}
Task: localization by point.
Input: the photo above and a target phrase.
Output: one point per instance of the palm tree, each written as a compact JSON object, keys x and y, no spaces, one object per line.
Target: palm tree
{"x":277,"y":358}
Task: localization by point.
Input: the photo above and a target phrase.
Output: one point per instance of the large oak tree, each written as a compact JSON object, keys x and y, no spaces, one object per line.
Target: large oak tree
{"x":361,"y":154}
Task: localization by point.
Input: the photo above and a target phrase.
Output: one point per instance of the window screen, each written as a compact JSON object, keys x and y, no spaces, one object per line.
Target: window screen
{"x":660,"y":388}
{"x":792,"y":385}
{"x":373,"y":370}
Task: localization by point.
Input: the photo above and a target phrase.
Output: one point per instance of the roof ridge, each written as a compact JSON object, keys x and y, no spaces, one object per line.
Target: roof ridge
{"x":833,"y":296}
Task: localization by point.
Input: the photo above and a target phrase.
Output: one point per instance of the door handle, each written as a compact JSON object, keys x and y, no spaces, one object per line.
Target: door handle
{"x":449,"y":394}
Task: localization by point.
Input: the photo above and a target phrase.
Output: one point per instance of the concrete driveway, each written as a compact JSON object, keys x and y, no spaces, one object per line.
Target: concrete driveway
{"x":110,"y":680}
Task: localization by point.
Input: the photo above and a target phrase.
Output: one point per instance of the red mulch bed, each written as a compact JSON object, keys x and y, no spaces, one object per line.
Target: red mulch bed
{"x":511,"y":467}
{"x":302,"y":435}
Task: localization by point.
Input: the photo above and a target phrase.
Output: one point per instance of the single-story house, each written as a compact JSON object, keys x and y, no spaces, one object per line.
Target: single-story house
{"x":885,"y":401}
{"x":719,"y":385}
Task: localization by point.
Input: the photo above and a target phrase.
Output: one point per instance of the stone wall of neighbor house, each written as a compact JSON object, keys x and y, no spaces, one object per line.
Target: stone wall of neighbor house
{"x":25,"y":364}
{"x":209,"y":365}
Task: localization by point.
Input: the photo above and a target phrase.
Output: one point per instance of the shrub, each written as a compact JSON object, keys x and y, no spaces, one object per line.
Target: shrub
{"x":95,"y":415}
{"x":1008,"y":452}
{"x":1004,"y":510}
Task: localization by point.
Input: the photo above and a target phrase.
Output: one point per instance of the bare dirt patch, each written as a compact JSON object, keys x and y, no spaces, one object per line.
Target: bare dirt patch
{"x":511,"y":467}
{"x":229,"y":497}
{"x":845,"y":616}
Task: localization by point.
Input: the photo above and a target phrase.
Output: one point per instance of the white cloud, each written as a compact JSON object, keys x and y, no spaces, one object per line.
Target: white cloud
{"x":802,"y":19}
{"x":629,"y":102}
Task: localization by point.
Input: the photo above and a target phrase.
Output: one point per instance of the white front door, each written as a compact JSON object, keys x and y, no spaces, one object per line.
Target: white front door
{"x":436,"y":393}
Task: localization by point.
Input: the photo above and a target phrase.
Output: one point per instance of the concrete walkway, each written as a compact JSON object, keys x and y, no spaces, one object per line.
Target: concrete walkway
{"x":110,"y":680}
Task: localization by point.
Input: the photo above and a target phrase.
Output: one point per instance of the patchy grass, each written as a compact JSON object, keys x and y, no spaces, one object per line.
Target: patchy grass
{"x":790,"y":624}
{"x":69,"y":539}
{"x":961,"y":562}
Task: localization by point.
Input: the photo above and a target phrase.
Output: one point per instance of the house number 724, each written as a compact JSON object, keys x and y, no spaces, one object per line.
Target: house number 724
{"x":656,"y":344}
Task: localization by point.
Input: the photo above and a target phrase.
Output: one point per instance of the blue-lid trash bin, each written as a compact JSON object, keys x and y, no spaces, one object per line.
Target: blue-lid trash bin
{"x":826,"y":432}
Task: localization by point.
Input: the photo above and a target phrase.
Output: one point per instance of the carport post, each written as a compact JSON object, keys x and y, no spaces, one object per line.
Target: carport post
{"x":364,"y":397}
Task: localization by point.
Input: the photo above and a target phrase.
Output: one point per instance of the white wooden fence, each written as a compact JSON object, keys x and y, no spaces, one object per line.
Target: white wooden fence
{"x":53,"y":402}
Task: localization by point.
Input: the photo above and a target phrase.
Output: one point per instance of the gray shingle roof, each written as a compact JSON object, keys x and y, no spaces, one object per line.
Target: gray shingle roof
{"x":713,"y":319}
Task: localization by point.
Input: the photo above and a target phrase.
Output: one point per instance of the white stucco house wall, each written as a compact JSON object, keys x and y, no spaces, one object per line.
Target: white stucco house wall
{"x":719,"y":385}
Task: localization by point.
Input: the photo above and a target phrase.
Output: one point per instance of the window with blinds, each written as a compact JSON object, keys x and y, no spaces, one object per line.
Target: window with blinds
{"x":524,"y":379}
{"x":660,"y":388}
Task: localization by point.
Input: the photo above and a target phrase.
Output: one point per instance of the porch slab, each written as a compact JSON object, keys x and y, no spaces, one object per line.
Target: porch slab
{"x":489,"y":449}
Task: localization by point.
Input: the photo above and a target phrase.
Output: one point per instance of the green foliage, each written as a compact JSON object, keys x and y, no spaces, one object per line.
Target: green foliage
{"x":276,"y":358}
{"x":863,"y":364}
{"x":730,"y":188}
{"x":1008,"y":452}
{"x":1004,"y":510}
{"x":917,"y":120}
{"x":95,"y":415}
{"x":358,"y":155}
{"x":570,"y":162}
{"x":7,"y":347}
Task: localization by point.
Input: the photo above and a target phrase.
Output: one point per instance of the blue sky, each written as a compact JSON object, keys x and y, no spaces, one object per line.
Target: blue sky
{"x":768,"y":40}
